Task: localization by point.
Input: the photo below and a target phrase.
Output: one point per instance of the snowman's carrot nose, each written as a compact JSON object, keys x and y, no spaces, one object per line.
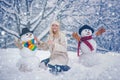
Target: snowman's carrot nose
{"x":30,"y":35}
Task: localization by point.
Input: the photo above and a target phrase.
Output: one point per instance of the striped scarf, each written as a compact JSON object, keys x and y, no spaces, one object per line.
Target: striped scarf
{"x":30,"y":44}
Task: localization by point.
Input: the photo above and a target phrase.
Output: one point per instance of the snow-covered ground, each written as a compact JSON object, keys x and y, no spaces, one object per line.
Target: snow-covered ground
{"x":89,"y":67}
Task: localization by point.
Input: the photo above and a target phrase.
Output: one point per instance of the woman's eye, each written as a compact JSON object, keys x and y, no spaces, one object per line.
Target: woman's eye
{"x":53,"y":25}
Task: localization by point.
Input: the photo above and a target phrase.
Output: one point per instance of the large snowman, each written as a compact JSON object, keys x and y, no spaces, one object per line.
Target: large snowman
{"x":28,"y":60}
{"x":87,"y":44}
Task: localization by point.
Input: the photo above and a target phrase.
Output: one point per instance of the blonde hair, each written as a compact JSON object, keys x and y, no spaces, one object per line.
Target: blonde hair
{"x":51,"y":32}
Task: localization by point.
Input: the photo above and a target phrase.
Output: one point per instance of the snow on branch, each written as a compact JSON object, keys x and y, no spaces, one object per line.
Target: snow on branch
{"x":9,"y":10}
{"x":39,"y":18}
{"x":9,"y":4}
{"x":103,"y":49}
{"x":42,"y":16}
{"x":79,"y":22}
{"x":10,"y":32}
{"x":113,"y":30}
{"x":39,"y":15}
{"x":36,"y":19}
{"x":44,"y":33}
{"x":49,"y":13}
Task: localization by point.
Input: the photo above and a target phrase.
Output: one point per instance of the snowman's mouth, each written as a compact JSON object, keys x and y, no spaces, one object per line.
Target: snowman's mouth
{"x":29,"y":36}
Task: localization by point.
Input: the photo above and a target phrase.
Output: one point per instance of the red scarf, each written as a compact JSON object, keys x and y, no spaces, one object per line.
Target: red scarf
{"x":84,"y":39}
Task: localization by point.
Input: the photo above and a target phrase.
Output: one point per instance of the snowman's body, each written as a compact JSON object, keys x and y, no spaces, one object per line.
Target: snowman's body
{"x":28,"y":60}
{"x":25,"y":52}
{"x":85,"y":49}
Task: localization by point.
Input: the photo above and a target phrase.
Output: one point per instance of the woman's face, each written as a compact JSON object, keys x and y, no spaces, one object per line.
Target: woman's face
{"x":55,"y":28}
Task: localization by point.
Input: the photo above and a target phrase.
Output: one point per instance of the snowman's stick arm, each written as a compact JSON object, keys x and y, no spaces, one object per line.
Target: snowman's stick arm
{"x":76,"y":36}
{"x":18,"y":43}
{"x":100,"y":31}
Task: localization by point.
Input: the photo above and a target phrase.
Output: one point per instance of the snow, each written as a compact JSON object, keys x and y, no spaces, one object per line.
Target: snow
{"x":87,"y":67}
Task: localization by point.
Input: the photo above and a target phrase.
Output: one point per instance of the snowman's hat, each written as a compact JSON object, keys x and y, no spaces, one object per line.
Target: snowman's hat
{"x":85,"y":27}
{"x":25,"y":30}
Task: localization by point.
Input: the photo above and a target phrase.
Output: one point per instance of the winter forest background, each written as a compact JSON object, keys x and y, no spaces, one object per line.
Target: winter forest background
{"x":72,"y":14}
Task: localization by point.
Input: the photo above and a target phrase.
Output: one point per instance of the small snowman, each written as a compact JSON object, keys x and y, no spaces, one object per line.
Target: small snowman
{"x":28,"y":48}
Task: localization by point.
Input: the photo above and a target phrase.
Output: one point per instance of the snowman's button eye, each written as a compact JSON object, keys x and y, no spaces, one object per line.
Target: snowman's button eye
{"x":86,"y":30}
{"x":27,"y":34}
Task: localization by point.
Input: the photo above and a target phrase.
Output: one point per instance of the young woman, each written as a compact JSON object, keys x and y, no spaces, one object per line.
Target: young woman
{"x":57,"y":45}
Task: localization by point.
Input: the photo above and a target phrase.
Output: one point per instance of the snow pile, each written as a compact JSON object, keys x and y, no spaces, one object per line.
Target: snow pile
{"x":88,"y":67}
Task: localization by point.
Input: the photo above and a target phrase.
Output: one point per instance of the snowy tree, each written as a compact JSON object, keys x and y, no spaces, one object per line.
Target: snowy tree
{"x":72,"y":14}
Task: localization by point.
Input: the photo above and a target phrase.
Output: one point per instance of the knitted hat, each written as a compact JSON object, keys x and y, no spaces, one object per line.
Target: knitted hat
{"x":25,"y":30}
{"x":85,"y":27}
{"x":55,"y":22}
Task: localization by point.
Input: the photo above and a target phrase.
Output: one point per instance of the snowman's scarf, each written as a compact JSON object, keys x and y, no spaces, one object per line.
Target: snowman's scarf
{"x":30,"y":44}
{"x":84,"y":39}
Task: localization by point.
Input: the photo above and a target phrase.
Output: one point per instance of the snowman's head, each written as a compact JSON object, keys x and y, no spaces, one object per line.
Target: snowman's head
{"x":86,"y":31}
{"x":26,"y":35}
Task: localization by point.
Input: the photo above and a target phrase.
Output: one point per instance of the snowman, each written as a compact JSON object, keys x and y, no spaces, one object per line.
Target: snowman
{"x":28,"y":48}
{"x":87,"y":45}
